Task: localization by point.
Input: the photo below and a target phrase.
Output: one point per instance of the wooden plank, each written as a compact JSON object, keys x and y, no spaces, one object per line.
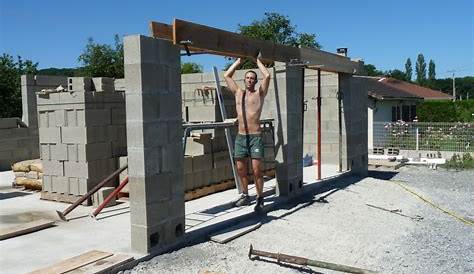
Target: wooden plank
{"x":103,"y":265}
{"x":74,"y":262}
{"x":234,"y":232}
{"x":10,"y":232}
{"x":231,"y":44}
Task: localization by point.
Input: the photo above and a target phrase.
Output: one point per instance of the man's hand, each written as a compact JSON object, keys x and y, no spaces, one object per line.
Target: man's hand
{"x":231,"y":84}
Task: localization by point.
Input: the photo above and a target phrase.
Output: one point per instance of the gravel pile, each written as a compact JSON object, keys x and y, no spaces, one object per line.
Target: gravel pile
{"x":337,"y":226}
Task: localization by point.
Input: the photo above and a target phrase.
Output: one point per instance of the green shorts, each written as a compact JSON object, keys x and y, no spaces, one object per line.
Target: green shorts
{"x":250,"y":145}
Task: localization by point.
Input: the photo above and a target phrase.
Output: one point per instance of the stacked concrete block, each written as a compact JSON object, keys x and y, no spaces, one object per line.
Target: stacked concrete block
{"x":82,"y":134}
{"x":154,"y":139}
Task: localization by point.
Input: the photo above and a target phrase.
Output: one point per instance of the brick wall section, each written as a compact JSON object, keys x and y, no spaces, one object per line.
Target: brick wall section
{"x":17,"y":143}
{"x":82,"y":134}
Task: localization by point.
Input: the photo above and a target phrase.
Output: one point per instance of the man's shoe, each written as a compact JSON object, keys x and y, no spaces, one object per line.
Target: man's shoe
{"x":244,"y":200}
{"x":259,"y":205}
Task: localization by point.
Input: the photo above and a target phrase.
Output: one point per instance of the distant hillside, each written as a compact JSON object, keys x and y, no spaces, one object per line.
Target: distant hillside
{"x":70,"y":72}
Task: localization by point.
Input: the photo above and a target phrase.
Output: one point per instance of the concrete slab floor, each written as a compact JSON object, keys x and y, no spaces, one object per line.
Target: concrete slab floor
{"x":82,"y":234}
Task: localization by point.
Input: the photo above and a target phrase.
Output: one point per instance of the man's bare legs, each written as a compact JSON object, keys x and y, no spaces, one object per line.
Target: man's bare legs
{"x":242,"y":172}
{"x":258,"y":176}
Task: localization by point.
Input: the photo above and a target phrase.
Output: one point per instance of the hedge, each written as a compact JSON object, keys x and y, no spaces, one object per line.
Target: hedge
{"x":446,"y":111}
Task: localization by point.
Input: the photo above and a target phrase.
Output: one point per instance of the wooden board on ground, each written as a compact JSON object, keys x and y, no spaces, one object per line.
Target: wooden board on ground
{"x":10,"y":232}
{"x":234,"y":232}
{"x":103,"y":265}
{"x":74,"y":262}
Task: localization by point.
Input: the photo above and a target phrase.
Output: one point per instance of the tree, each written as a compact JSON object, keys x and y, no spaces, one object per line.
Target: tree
{"x":190,"y":68}
{"x":408,"y":70}
{"x":372,"y":70}
{"x":397,"y":74}
{"x":101,"y":60}
{"x":10,"y":84}
{"x":420,"y":69}
{"x":431,"y":71}
{"x":278,"y":29}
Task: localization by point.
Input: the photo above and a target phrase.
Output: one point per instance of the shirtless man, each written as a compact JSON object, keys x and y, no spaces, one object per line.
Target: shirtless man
{"x":249,"y":142}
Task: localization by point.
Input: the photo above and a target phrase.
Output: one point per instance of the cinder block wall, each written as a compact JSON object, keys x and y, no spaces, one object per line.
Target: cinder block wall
{"x":82,"y":134}
{"x":17,"y":142}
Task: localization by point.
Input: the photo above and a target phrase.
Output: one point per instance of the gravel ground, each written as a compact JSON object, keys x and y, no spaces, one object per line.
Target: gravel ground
{"x":336,"y":225}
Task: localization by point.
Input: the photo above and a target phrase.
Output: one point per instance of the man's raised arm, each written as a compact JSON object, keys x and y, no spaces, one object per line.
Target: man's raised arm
{"x":266,"y":77}
{"x":231,"y":84}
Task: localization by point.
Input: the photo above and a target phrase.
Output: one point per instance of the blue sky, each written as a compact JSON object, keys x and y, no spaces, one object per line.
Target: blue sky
{"x":383,"y":33}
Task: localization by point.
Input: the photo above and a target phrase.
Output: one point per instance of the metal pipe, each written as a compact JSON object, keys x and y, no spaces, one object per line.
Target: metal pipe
{"x":339,"y":114}
{"x":63,"y":214}
{"x":280,"y":257}
{"x":109,"y":198}
{"x":319,"y":124}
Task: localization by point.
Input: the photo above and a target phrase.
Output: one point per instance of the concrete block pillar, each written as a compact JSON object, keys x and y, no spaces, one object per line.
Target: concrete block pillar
{"x":154,"y":132}
{"x":289,"y":129}
{"x":355,"y":122}
{"x":28,"y":100}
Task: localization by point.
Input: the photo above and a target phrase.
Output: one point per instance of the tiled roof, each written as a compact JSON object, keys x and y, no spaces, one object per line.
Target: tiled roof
{"x":385,"y":88}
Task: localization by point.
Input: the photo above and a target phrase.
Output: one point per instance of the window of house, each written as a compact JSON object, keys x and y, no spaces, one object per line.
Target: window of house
{"x":412,"y":112}
{"x":406,"y":113}
{"x":395,"y":113}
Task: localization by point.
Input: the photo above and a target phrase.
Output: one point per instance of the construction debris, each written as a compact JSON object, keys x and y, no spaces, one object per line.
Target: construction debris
{"x":398,"y":212}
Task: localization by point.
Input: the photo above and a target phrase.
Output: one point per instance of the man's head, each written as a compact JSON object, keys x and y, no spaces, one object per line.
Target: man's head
{"x":250,"y":80}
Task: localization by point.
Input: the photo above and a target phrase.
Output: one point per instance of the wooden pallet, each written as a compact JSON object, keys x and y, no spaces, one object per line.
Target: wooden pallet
{"x":209,"y":189}
{"x":65,"y":198}
{"x":90,"y":262}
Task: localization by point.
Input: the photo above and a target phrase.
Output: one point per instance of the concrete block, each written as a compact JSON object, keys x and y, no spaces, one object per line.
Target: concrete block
{"x":50,"y":135}
{"x":118,"y":116}
{"x":60,"y":184}
{"x":59,"y":152}
{"x":79,"y":84}
{"x":119,"y":84}
{"x":202,"y":162}
{"x":197,"y":146}
{"x":83,"y":135}
{"x":99,"y":197}
{"x":8,"y":123}
{"x":79,"y":97}
{"x":53,"y":167}
{"x":46,"y":183}
{"x":27,"y":80}
{"x":94,"y":151}
{"x":47,"y":99}
{"x":103,"y":84}
{"x":97,"y":117}
{"x":73,"y":186}
{"x":188,"y":164}
{"x":83,"y":185}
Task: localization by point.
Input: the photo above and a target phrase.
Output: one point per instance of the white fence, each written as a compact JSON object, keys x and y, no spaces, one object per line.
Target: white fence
{"x":457,"y":137}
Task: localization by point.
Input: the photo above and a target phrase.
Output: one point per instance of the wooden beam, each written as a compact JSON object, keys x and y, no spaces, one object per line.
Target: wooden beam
{"x":74,"y":262}
{"x":161,"y":30}
{"x":25,"y":228}
{"x":220,"y":42}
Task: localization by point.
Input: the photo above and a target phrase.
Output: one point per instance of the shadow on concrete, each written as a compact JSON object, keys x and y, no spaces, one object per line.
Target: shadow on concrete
{"x":309,"y":196}
{"x":382,"y":175}
{"x":9,"y":195}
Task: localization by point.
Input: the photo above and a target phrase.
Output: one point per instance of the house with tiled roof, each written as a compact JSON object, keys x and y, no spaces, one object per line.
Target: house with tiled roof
{"x":391,"y":100}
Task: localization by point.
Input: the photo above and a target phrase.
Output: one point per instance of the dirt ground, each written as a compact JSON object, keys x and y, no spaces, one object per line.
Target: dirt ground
{"x":337,"y":225}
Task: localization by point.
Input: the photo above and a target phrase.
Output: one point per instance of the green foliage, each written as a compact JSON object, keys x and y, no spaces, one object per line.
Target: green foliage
{"x":408,"y":70}
{"x":102,"y":60}
{"x":446,"y":111}
{"x":10,"y":84}
{"x":69,"y":72}
{"x":431,"y":71}
{"x":397,"y":74}
{"x":278,"y":29}
{"x":420,"y":70}
{"x":372,"y":70}
{"x":457,"y":162}
{"x":190,"y":68}
{"x":464,"y":86}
